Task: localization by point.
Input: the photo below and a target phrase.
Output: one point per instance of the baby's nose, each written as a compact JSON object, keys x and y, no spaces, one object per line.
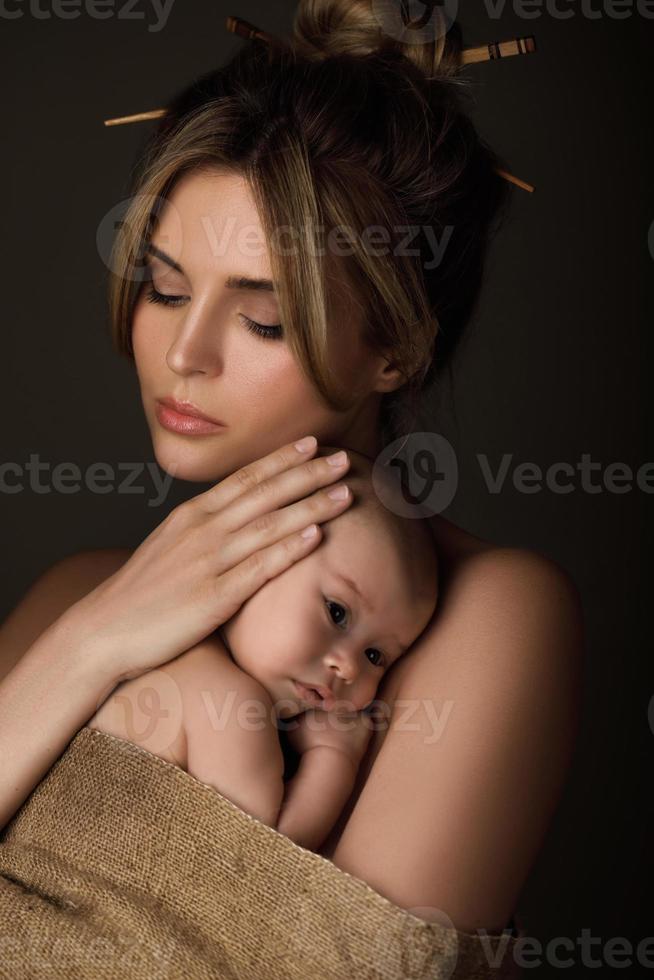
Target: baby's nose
{"x":345,"y":665}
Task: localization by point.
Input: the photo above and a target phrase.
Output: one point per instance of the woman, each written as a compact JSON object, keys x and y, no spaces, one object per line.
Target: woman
{"x":350,"y":129}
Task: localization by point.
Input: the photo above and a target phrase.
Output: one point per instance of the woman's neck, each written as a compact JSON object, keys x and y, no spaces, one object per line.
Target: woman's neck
{"x":363,"y":434}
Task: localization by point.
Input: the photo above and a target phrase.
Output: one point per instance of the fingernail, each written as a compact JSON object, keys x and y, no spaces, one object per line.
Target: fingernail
{"x":310,"y":532}
{"x":338,"y":459}
{"x":339,"y":493}
{"x":306,"y":445}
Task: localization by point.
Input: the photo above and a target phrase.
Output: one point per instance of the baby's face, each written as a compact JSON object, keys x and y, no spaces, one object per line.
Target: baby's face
{"x":309,"y":626}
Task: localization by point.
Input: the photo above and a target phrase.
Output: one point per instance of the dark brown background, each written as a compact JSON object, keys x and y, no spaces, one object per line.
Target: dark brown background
{"x":557,"y":364}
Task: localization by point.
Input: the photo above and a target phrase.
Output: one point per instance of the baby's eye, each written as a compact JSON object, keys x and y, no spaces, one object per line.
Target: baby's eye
{"x":336,"y":605}
{"x":334,"y":609}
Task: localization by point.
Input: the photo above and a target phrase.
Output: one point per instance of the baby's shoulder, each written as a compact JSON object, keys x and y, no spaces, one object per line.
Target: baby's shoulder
{"x":200,"y":691}
{"x":208,"y":669}
{"x":147,"y":710}
{"x":219,"y":699}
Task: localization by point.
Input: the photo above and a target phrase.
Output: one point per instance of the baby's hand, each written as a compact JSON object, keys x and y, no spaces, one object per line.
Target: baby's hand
{"x":347,"y":731}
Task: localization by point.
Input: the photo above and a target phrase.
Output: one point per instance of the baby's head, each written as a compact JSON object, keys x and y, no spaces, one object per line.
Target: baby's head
{"x":337,"y":619}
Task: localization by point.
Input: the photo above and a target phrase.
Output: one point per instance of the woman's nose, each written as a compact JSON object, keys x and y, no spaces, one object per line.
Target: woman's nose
{"x":196,"y":346}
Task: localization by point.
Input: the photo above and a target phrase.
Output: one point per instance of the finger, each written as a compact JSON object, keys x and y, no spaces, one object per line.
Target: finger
{"x":271,"y":527}
{"x":235,"y":586}
{"x":286,"y":487}
{"x":251,"y":476}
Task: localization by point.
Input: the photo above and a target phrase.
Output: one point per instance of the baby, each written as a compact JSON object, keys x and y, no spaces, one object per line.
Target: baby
{"x":305,"y":654}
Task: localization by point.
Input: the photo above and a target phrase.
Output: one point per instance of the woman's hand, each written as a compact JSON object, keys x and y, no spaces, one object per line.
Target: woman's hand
{"x":211,"y":553}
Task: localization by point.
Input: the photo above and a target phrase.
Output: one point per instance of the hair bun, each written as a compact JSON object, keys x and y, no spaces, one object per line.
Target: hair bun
{"x":323,"y":28}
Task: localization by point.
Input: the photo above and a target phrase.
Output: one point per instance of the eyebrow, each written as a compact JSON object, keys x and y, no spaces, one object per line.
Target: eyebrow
{"x":233,"y":282}
{"x":353,"y":587}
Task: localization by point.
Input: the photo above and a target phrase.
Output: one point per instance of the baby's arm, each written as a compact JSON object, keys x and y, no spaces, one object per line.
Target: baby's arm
{"x":329,"y":762}
{"x":233,"y":744}
{"x":316,"y":795}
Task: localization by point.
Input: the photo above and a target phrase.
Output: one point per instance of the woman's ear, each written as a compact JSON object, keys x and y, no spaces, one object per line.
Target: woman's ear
{"x":386,"y":375}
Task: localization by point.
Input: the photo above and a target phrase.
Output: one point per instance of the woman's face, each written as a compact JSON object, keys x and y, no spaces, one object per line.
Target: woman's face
{"x":204,"y":350}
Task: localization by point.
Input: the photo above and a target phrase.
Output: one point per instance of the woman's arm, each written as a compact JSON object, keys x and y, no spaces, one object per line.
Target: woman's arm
{"x":50,"y":595}
{"x":55,"y":686}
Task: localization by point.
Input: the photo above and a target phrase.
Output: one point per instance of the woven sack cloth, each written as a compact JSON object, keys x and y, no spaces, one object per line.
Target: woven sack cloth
{"x":122,"y":865}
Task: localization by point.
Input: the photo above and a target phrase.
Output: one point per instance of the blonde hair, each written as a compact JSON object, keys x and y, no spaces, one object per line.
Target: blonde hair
{"x":341,"y":126}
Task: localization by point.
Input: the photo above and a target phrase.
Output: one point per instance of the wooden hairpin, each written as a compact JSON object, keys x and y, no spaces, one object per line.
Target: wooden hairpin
{"x":249,"y":31}
{"x":498,"y":49}
{"x":473,"y":55}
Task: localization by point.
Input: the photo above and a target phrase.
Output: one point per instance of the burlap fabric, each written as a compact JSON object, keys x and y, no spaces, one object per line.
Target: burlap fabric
{"x":121,"y":865}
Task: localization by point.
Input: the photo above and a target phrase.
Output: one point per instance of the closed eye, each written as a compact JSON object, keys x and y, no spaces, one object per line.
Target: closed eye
{"x":156,"y":297}
{"x":271,"y":331}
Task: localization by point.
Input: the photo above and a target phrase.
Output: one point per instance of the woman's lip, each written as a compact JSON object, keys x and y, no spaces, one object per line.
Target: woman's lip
{"x":187,"y":408}
{"x":185,"y":424}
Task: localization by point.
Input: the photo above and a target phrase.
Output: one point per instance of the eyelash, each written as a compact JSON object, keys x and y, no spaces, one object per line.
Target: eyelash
{"x":329,"y":602}
{"x":272,"y":332}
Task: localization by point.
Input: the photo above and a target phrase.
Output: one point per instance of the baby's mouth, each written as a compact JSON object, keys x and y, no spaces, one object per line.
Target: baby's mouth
{"x":313,"y":697}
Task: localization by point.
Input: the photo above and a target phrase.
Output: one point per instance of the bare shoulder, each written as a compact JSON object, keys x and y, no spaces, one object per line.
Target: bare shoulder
{"x":222,"y":702}
{"x":51,"y":594}
{"x":526,"y":596}
{"x":509,"y":573}
{"x":207,"y":671}
{"x":512,"y":614}
{"x":521,"y":584}
{"x":186,"y":711}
